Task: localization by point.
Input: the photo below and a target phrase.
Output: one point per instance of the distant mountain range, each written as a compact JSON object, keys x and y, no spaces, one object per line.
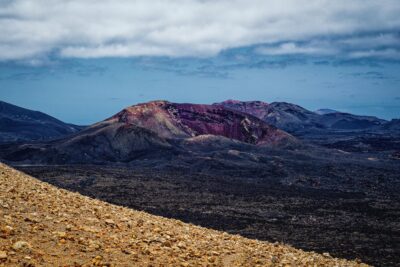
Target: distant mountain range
{"x":20,"y":125}
{"x":165,"y":129}
{"x":293,"y":118}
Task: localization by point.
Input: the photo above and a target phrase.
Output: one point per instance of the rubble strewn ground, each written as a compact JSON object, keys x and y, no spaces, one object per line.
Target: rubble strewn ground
{"x":351,"y":211}
{"x":42,"y":225}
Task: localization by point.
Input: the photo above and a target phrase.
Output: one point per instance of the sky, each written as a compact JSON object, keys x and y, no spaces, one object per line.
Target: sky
{"x":84,"y":60}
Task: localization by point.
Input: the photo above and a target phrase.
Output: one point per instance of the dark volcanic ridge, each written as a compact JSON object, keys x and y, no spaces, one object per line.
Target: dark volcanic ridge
{"x":23,"y":125}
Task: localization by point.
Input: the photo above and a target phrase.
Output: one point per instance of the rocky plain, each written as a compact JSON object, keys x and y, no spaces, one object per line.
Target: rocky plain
{"x":41,"y":225}
{"x":356,"y":216}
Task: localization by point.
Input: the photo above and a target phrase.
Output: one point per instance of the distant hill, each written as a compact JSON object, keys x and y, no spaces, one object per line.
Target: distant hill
{"x":20,"y":125}
{"x":42,"y":225}
{"x":293,"y":118}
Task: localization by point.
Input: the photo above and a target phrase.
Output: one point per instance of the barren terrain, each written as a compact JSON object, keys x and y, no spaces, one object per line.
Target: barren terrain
{"x":353,"y":217}
{"x":45,"y":226}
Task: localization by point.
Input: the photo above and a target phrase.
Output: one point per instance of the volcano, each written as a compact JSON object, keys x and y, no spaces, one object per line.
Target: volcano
{"x":172,"y":120}
{"x":153,"y":129}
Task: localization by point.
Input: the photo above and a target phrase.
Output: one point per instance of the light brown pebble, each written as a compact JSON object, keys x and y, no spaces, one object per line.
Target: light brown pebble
{"x":3,"y":255}
{"x":21,"y":245}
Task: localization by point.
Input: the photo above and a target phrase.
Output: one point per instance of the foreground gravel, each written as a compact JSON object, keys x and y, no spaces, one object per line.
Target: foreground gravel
{"x":42,"y":225}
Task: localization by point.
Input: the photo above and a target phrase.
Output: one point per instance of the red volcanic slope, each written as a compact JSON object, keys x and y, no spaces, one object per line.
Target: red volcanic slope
{"x":171,"y":120}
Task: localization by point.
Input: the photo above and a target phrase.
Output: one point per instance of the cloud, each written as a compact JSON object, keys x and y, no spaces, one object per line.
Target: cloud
{"x":368,"y":45}
{"x":199,"y":28}
{"x":295,"y":49}
{"x":384,"y":53}
{"x":32,"y":70}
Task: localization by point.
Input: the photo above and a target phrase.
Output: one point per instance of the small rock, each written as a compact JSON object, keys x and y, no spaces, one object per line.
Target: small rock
{"x":3,"y":255}
{"x":140,"y":223}
{"x":214,"y":253}
{"x":61,"y":234}
{"x":21,"y":245}
{"x":109,"y":222}
{"x":7,"y":230}
{"x":93,"y":245}
{"x":125,"y":251}
{"x":181,"y":245}
{"x":5,"y":206}
{"x":31,"y":219}
{"x":167,"y":243}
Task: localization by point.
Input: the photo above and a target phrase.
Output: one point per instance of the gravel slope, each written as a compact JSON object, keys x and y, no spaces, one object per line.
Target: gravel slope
{"x":42,"y":225}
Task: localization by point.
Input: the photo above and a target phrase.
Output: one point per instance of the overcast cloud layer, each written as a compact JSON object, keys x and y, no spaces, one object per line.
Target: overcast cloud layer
{"x":32,"y":29}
